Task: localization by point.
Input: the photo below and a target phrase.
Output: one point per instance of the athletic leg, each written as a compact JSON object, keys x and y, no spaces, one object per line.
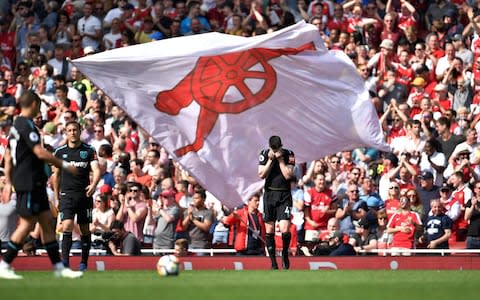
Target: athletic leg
{"x":270,"y":243}
{"x":86,"y":238}
{"x":67,"y":228}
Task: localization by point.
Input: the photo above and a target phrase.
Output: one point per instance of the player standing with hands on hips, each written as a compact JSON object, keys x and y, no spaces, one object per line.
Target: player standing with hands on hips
{"x":25,"y":167}
{"x":75,"y":191}
{"x":276,"y":167}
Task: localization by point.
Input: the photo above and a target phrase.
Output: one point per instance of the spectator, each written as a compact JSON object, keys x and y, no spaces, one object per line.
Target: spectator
{"x":8,"y":218}
{"x":247,"y":229}
{"x":338,"y":247}
{"x":197,"y":220}
{"x":415,"y":203}
{"x":446,"y":139}
{"x":112,"y":39}
{"x":7,"y":103}
{"x":438,"y":227}
{"x":460,"y":195}
{"x":363,"y":238}
{"x":89,"y":27}
{"x":201,"y":23}
{"x":472,"y":214}
{"x":166,"y":214}
{"x":63,"y":31}
{"x":403,"y":225}
{"x":133,"y":211}
{"x":369,"y":195}
{"x":137,"y":174}
{"x":344,"y":211}
{"x":392,"y":202}
{"x":384,"y":239}
{"x":99,"y":138}
{"x":59,"y":62}
{"x":319,"y":207}
{"x":102,"y":219}
{"x":123,"y":243}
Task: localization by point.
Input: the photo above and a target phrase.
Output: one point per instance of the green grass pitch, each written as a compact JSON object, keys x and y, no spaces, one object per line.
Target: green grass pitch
{"x":247,"y":285}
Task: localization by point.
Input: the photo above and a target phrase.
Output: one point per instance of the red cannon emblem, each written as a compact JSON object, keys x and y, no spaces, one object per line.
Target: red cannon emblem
{"x":211,"y":79}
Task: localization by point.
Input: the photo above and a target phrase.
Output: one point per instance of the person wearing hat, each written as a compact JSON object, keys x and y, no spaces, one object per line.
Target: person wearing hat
{"x":441,"y":97}
{"x":363,"y":238}
{"x":382,"y":59}
{"x":461,"y":51}
{"x":417,"y":93}
{"x":426,"y":190}
{"x":338,"y":246}
{"x":460,"y":161}
{"x":164,"y":214}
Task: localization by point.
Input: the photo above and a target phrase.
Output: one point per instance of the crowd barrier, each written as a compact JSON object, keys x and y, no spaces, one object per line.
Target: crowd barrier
{"x":229,"y":251}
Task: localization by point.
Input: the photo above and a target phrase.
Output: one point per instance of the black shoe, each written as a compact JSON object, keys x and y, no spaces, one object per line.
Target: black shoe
{"x":274,"y":264}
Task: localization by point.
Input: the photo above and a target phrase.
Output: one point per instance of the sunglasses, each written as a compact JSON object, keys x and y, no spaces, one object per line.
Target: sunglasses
{"x":394,"y":188}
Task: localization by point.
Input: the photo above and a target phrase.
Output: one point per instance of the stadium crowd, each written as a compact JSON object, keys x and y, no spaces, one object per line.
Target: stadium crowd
{"x":420,"y":62}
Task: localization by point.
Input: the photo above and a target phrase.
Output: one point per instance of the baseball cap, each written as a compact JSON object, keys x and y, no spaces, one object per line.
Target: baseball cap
{"x":457,"y":37}
{"x":445,"y":187}
{"x":129,"y":6}
{"x":362,"y":223}
{"x":105,"y":189}
{"x":337,"y":234}
{"x":440,"y":87}
{"x":418,"y":81}
{"x":387,"y":44}
{"x":360,"y":205}
{"x":426,"y":175}
{"x":168,"y":193}
{"x":463,"y":148}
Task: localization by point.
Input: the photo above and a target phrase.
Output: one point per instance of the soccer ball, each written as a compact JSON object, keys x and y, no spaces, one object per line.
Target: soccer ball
{"x":168,"y":265}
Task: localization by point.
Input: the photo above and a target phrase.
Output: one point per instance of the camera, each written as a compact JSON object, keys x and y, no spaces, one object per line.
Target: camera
{"x":105,"y":238}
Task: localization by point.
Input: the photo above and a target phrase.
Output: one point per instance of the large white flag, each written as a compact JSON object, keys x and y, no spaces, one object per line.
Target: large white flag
{"x":213,"y":100}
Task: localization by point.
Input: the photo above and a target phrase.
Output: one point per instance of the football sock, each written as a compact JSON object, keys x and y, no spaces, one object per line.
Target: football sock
{"x":270,"y":241}
{"x":53,"y":251}
{"x":86,"y":243}
{"x":66,"y":247}
{"x":286,"y":237}
{"x":12,"y":251}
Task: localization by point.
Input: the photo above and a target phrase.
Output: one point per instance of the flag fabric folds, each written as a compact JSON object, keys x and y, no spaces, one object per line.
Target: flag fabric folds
{"x":213,"y":100}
